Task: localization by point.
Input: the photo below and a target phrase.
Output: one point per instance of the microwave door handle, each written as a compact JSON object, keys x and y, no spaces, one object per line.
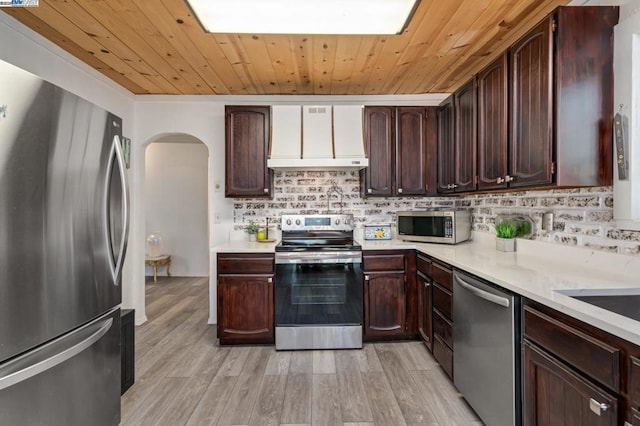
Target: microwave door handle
{"x":490,"y":297}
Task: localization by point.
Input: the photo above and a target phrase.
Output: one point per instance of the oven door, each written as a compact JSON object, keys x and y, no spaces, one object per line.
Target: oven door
{"x":318,"y":301}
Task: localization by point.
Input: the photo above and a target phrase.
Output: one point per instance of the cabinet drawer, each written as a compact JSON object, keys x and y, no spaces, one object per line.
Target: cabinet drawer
{"x":443,"y":355}
{"x":443,"y":328}
{"x":634,"y":380}
{"x":584,"y":352}
{"x":423,"y":264}
{"x":442,"y":274}
{"x":239,"y":263}
{"x":442,"y":300}
{"x":383,"y":262}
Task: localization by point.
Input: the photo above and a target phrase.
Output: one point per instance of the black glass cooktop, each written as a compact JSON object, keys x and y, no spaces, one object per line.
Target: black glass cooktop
{"x":625,"y":305}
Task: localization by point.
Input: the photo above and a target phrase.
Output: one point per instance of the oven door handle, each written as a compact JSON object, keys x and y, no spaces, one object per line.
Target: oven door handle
{"x":502,"y":301}
{"x":351,"y":257}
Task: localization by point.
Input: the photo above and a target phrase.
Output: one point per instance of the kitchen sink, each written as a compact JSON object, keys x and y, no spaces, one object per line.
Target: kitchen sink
{"x":625,"y":302}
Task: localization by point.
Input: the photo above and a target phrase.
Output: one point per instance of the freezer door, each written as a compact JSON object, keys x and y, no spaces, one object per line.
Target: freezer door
{"x":71,"y":381}
{"x":60,"y":182}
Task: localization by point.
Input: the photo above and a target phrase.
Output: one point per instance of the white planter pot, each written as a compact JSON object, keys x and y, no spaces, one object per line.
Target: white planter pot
{"x":252,"y":237}
{"x":505,"y":244}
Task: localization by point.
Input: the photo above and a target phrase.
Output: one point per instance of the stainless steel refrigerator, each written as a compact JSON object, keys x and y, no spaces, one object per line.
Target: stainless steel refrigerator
{"x":63,"y":229}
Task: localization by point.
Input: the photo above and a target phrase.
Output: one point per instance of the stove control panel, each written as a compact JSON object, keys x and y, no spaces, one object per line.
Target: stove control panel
{"x":317,"y":222}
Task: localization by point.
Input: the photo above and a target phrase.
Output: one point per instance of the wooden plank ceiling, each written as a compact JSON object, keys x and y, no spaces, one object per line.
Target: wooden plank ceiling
{"x":158,"y":47}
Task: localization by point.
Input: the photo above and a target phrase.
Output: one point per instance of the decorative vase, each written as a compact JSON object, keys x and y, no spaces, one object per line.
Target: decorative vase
{"x":154,"y":244}
{"x":505,"y":244}
{"x":252,"y":237}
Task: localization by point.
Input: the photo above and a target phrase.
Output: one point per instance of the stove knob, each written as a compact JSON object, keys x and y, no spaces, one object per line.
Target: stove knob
{"x":288,"y":221}
{"x":298,"y":222}
{"x":337,"y":221}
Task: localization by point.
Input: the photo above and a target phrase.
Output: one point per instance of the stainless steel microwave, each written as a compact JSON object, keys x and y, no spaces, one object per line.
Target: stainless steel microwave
{"x":449,"y":226}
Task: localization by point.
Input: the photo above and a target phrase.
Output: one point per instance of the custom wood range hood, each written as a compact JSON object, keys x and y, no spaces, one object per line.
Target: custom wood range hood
{"x":317,"y":137}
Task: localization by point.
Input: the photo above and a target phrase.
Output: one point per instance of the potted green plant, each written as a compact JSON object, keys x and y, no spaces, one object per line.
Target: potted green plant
{"x":252,"y":229}
{"x":505,"y":236}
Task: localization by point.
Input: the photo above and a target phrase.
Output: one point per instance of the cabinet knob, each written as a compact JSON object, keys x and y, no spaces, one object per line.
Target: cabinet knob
{"x":426,"y":284}
{"x":266,"y":190}
{"x":508,"y":178}
{"x":369,"y":191}
{"x":597,"y":407}
{"x":500,"y":180}
{"x":399,"y":190}
{"x":366,"y":277}
{"x":269,"y":280}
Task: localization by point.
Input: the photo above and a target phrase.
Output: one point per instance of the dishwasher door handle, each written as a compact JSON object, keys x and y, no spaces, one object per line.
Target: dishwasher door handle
{"x":490,"y":297}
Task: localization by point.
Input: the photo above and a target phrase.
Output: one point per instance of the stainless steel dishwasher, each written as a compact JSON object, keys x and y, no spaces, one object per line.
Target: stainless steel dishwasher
{"x":486,"y":344}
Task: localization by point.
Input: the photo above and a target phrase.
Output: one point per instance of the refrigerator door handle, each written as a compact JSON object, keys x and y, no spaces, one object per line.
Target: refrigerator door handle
{"x":117,"y":257}
{"x":52,"y":354}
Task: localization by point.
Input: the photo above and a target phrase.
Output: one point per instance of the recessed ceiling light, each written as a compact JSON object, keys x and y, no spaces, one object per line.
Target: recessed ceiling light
{"x":304,"y":16}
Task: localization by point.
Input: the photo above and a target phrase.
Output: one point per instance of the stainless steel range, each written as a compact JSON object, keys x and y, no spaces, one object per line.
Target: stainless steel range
{"x":318,"y":290}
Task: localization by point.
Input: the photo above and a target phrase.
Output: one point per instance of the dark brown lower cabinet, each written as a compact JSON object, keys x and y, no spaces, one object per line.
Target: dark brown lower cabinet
{"x":425,"y":328}
{"x":443,"y":354}
{"x":245,"y":309}
{"x":385,"y":303}
{"x":390,"y":295}
{"x":245,"y":298}
{"x":556,"y":395}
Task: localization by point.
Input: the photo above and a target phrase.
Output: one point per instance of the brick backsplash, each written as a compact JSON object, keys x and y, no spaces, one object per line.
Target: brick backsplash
{"x":582,"y":217}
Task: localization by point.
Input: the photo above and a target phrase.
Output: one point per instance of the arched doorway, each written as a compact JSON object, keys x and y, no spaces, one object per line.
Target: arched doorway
{"x":176,"y":203}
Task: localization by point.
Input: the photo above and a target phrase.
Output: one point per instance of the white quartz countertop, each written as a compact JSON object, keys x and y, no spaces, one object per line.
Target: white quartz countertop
{"x":536,"y":271}
{"x":245,"y":246}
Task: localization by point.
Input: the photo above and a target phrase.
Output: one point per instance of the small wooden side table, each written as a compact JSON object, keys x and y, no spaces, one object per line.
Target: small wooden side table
{"x":154,"y":262}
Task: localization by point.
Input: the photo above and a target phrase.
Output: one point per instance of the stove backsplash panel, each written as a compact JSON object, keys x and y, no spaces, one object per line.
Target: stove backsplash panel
{"x":582,"y":217}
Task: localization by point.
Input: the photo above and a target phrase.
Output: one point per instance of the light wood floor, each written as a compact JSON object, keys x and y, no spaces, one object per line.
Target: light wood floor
{"x":184,"y":377}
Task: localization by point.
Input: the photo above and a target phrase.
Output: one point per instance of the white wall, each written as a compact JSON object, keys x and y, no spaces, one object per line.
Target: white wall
{"x":627,"y":93}
{"x":176,"y":195}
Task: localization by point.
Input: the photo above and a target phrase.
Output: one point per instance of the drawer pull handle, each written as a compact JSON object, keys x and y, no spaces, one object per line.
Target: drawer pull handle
{"x":366,"y":277}
{"x":269,"y":280}
{"x":597,"y":407}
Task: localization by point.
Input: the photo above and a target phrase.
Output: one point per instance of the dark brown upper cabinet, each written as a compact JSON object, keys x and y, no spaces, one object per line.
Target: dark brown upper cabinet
{"x":464,"y":101}
{"x":544,"y":110}
{"x":401,"y":146}
{"x":457,"y":141}
{"x":492,"y":125}
{"x":379,"y":137}
{"x":561,"y":100}
{"x":446,"y":146}
{"x":247,"y":133}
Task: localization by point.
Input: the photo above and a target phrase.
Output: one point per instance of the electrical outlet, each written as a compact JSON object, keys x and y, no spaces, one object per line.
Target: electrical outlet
{"x":217,"y":219}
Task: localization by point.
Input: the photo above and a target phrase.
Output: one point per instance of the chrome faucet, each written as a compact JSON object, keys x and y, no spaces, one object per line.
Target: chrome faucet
{"x":337,"y":190}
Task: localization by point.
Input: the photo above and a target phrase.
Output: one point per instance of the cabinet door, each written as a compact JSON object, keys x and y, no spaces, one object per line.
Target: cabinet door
{"x":531,"y":108}
{"x":411,"y":151}
{"x":555,"y":395}
{"x":446,"y":146}
{"x":424,"y":310}
{"x":245,"y":308}
{"x":247,"y":146}
{"x":379,"y":137}
{"x":465,"y":137}
{"x":384,"y":303}
{"x":492,"y":125}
